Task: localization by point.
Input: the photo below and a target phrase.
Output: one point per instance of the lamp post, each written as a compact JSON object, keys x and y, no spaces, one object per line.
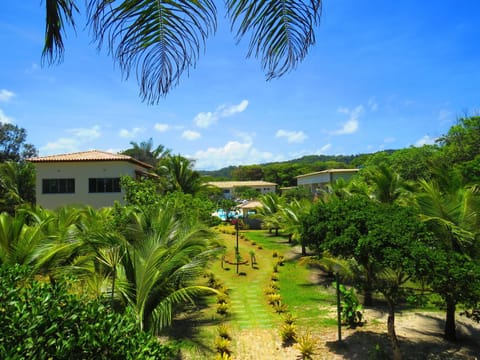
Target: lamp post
{"x":339,"y":309}
{"x":237,"y":253}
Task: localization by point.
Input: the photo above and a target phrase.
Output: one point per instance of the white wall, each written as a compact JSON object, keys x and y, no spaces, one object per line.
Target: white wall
{"x":81,"y":172}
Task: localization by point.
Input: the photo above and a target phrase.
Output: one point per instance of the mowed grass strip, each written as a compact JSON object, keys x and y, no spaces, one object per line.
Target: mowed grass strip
{"x":248,"y":305}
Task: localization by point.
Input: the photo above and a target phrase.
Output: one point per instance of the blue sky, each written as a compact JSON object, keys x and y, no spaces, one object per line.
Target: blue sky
{"x":382,"y":75}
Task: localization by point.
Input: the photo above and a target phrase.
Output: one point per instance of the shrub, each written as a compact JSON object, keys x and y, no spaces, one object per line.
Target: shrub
{"x":306,"y":344}
{"x":41,"y":321}
{"x":222,"y":298}
{"x":275,"y":254}
{"x":269,"y":290}
{"x":273,"y":298}
{"x":222,"y":309}
{"x":289,"y":318}
{"x":274,"y":277}
{"x":223,"y":331}
{"x":280,"y":307}
{"x":288,"y":333}
{"x":222,"y":345}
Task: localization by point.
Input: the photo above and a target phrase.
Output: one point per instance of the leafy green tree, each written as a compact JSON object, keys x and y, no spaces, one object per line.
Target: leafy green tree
{"x":248,"y":172}
{"x":281,"y":33}
{"x":291,"y":219}
{"x":388,"y":243}
{"x":245,"y":192}
{"x":387,"y":185}
{"x":145,"y":152}
{"x":461,"y":148}
{"x":13,"y":146}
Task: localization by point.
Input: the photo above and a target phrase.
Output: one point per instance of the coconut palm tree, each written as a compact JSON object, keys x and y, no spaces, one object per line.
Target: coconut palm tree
{"x":145,"y":152}
{"x":159,"y":41}
{"x":270,"y":212}
{"x":160,"y":262}
{"x":454,"y":219}
{"x":387,"y":185}
{"x":291,"y":218}
{"x":177,"y":174}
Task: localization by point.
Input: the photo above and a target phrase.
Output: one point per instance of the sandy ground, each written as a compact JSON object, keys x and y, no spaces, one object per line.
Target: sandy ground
{"x":420,"y":336}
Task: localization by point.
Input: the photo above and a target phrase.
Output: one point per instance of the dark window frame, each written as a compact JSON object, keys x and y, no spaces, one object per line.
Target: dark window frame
{"x":58,"y":186}
{"x":104,"y":185}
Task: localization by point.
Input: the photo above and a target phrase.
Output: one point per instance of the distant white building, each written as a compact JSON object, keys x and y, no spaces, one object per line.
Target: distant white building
{"x":83,"y":178}
{"x":262,"y":187}
{"x":321,"y":179}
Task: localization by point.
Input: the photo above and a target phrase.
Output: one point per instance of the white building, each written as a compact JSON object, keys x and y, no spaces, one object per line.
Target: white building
{"x":321,"y":179}
{"x":262,"y":187}
{"x":83,"y":178}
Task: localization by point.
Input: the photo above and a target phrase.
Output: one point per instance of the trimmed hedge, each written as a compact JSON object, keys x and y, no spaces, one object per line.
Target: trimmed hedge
{"x":41,"y":321}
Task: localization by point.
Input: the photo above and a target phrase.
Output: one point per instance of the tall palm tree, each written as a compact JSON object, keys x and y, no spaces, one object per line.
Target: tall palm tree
{"x":291,"y":218}
{"x":270,"y":212}
{"x":145,"y":152}
{"x":387,"y":185}
{"x":454,"y":218}
{"x":159,"y":41}
{"x":178,"y":175}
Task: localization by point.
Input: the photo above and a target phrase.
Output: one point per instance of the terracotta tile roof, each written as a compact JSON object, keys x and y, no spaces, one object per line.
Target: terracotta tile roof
{"x":92,"y":155}
{"x":232,"y":184}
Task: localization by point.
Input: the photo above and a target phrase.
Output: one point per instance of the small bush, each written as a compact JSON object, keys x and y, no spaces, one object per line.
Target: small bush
{"x":223,"y":331}
{"x":280,"y":307}
{"x":289,"y":318}
{"x":288,"y":333}
{"x":269,"y":290}
{"x":222,"y":345}
{"x":274,"y":277}
{"x":222,"y":309}
{"x":223,"y":356}
{"x":222,"y":298}
{"x":307,"y":345}
{"x":275,"y":254}
{"x":41,"y":321}
{"x":273,"y":298}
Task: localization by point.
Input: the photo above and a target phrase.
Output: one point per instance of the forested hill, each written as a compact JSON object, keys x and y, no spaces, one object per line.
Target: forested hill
{"x":283,"y":173}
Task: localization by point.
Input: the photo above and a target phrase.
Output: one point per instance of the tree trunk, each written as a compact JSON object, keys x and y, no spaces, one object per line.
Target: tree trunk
{"x":450,"y":331}
{"x":304,"y":250}
{"x":367,"y":290}
{"x":276,"y":231}
{"x":397,"y":355}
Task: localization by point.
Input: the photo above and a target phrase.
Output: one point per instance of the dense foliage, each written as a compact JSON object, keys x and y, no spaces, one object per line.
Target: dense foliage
{"x":42,"y":321}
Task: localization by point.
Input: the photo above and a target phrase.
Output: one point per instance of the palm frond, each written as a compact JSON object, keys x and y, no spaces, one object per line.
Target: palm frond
{"x":282,"y":31}
{"x":159,"y":39}
{"x":59,"y":13}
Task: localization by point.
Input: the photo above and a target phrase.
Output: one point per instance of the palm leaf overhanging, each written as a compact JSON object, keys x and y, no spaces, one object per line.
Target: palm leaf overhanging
{"x":58,"y":14}
{"x":159,"y":40}
{"x":281,"y":30}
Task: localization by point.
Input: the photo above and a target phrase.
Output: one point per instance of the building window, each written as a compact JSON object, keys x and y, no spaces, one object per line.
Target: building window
{"x":58,"y":186}
{"x":103,"y":185}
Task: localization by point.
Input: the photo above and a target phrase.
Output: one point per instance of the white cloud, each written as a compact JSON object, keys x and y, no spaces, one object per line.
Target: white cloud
{"x":232,"y":153}
{"x":372,"y":104}
{"x":323,"y":149}
{"x":444,"y":116}
{"x":130,"y":133}
{"x":191,"y":135}
{"x":389,"y":140}
{"x":291,"y":136}
{"x":6,"y":95}
{"x":4,"y":119}
{"x":426,"y":140}
{"x":85,"y":134}
{"x":206,"y":119}
{"x":352,"y":124}
{"x":226,"y":111}
{"x":80,"y":137}
{"x":161,"y":127}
